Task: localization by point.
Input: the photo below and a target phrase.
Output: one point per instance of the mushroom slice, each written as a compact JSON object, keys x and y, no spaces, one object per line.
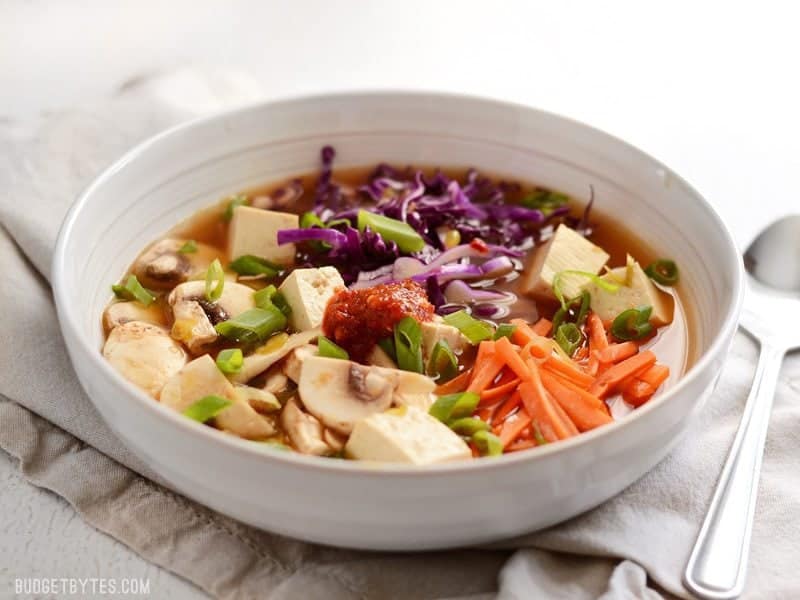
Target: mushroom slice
{"x":162,"y":266}
{"x":294,"y":361}
{"x":379,"y":358}
{"x":144,"y":354}
{"x":262,"y":401}
{"x":335,"y":440}
{"x":304,"y":430}
{"x":275,"y":382}
{"x":200,"y":378}
{"x":195,"y":317}
{"x":255,"y":364}
{"x":340,"y":392}
{"x":241,"y":419}
{"x":120,"y":313}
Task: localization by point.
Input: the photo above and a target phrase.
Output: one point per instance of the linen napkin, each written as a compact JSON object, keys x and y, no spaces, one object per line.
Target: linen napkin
{"x":634,"y":546}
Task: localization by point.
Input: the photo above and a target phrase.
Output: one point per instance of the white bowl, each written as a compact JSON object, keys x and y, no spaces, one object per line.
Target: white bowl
{"x":345,"y":503}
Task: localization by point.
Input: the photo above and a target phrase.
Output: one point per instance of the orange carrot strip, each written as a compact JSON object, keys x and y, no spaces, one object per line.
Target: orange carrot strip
{"x":513,"y":426}
{"x":524,"y":335}
{"x":486,"y":413}
{"x":597,"y":333}
{"x":608,"y":381}
{"x":459,"y":383}
{"x":568,"y":371}
{"x":506,"y":351}
{"x":584,"y":409}
{"x":521,"y":445}
{"x":655,"y":375}
{"x":492,"y":394}
{"x":617,"y":352}
{"x":542,"y":327}
{"x":539,"y":404}
{"x":507,"y":407}
{"x":593,"y":366}
{"x":485,"y":373}
{"x":485,"y":350}
{"x":636,"y":392}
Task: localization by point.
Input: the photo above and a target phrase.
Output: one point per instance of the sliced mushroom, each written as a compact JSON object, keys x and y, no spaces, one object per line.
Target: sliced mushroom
{"x":163,"y":266}
{"x":255,"y":364}
{"x":275,"y":382}
{"x":294,"y":361}
{"x":379,"y":358}
{"x":200,"y":378}
{"x":242,"y":419}
{"x":335,"y":440}
{"x":340,"y":392}
{"x":304,"y":430}
{"x":262,"y":401}
{"x":120,"y":313}
{"x":195,"y":316}
{"x":144,"y":354}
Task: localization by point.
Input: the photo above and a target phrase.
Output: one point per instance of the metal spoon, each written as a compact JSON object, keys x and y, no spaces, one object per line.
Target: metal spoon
{"x":718,"y":563}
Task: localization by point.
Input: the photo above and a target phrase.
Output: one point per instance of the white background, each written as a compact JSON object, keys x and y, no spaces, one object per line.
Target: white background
{"x":709,"y":88}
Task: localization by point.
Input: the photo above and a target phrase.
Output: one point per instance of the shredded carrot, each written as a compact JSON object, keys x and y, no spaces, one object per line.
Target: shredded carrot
{"x":539,"y":404}
{"x":542,"y":327}
{"x":513,"y":426}
{"x":457,"y":384}
{"x":504,"y":349}
{"x":636,"y":392}
{"x":491,"y":395}
{"x":475,"y":452}
{"x":507,"y":407}
{"x":584,"y":409}
{"x":593,"y":365}
{"x":655,"y":375}
{"x":617,"y":352}
{"x":581,"y":354}
{"x":521,"y":445}
{"x":486,"y":413}
{"x":484,"y":373}
{"x":608,"y":381}
{"x":525,"y":336}
{"x":568,"y":371}
{"x":597,"y":333}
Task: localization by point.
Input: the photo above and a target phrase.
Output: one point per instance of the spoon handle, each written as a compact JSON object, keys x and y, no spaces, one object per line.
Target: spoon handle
{"x":718,"y":563}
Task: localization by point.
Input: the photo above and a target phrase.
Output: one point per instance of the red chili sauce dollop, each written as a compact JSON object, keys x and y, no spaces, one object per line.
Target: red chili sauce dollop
{"x":357,"y":319}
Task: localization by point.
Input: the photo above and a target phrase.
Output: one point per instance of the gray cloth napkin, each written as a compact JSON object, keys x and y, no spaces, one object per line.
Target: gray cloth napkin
{"x":634,"y":546}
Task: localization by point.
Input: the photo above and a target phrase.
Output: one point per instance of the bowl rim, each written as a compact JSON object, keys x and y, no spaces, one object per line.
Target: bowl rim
{"x":70,"y":327}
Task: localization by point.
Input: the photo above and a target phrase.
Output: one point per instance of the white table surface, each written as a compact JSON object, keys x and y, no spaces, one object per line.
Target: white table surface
{"x":711,"y":89}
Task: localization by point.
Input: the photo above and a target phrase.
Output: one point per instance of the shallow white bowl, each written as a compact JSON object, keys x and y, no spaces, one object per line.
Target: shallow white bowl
{"x":344,"y":503}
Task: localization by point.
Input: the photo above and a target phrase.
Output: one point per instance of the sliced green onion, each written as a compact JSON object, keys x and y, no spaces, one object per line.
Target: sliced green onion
{"x":253,"y":325}
{"x":581,"y":304}
{"x":279,"y":300}
{"x":336,"y":222}
{"x":454,"y":406}
{"x":468,"y":425}
{"x":488,"y":443}
{"x":330,"y":350}
{"x":632,"y":324}
{"x":215,"y":281}
{"x":188,"y":247}
{"x":133,"y":290}
{"x":596,"y":279}
{"x":569,"y":337}
{"x":387,"y":345}
{"x":408,"y":344}
{"x":310,"y":219}
{"x":239,"y":200}
{"x":473,"y":329}
{"x":663,"y":271}
{"x":544,"y":200}
{"x":504,"y":330}
{"x":263,"y":297}
{"x":230,"y":361}
{"x":206,"y":408}
{"x":443,"y":364}
{"x":253,"y":265}
{"x":392,"y":230}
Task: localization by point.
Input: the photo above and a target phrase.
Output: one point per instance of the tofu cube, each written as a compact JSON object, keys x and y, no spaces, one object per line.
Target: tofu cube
{"x":405,"y":435}
{"x":637,"y":291}
{"x":433,"y":331}
{"x":307,"y":292}
{"x":565,"y":251}
{"x":255,"y":231}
